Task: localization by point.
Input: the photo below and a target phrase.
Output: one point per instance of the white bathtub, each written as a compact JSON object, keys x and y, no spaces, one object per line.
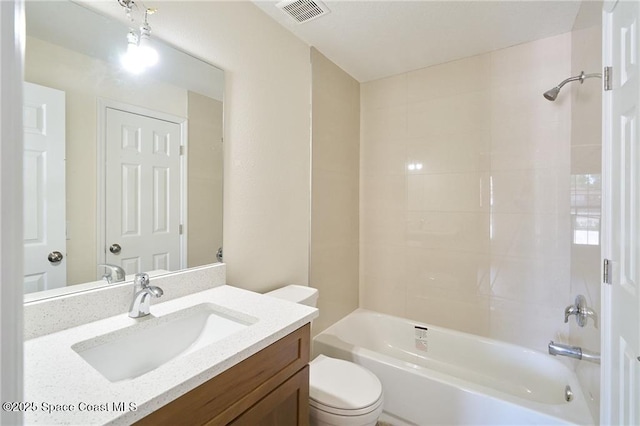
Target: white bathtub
{"x":435,"y":376}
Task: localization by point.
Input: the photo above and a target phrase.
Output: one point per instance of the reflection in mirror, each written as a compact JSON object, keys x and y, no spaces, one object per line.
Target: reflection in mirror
{"x":120,"y":169}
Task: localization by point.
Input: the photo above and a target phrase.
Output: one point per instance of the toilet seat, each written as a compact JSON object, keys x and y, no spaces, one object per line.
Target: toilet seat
{"x":346,"y":413}
{"x":343,"y":388}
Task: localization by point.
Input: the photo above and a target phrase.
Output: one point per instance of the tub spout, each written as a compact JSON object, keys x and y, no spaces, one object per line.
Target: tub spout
{"x":573,"y":352}
{"x":591,"y":356}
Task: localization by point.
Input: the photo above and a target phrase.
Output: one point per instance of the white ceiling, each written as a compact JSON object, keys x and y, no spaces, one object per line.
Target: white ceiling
{"x":376,"y":38}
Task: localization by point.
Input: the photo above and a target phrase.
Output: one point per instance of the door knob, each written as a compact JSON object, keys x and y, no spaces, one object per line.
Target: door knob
{"x":115,"y":248}
{"x":55,"y":257}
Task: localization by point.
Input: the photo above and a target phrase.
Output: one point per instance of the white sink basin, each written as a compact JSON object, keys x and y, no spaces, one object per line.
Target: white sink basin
{"x":130,"y":352}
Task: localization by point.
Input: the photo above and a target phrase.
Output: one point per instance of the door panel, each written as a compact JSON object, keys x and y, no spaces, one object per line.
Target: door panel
{"x":143,"y":191}
{"x":44,"y":187}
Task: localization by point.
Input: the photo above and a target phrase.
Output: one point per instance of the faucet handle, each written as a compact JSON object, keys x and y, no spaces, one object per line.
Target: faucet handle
{"x":142,"y":292}
{"x":581,"y":311}
{"x":570,"y":310}
{"x":590,"y":313}
{"x":141,"y":280}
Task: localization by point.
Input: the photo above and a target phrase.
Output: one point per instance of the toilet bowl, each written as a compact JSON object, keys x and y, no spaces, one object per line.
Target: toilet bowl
{"x":341,"y":393}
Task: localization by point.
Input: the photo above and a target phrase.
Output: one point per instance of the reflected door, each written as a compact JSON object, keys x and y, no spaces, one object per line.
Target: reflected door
{"x":44,"y":188}
{"x":143,"y":192}
{"x":621,"y":331}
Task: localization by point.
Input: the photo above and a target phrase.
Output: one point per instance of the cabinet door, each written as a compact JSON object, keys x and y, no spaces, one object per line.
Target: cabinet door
{"x":287,"y":405}
{"x":263,"y":386}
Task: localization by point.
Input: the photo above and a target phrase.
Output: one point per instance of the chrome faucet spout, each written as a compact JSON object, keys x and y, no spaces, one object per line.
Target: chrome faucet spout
{"x":573,"y":352}
{"x":113,"y":269}
{"x":142,"y":293}
{"x":590,"y":356}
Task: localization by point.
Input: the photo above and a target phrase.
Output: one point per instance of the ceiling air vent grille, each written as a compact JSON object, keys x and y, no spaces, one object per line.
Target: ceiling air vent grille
{"x":303,"y":10}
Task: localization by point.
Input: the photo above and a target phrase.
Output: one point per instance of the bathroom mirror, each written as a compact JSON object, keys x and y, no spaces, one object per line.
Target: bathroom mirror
{"x":120,"y":168}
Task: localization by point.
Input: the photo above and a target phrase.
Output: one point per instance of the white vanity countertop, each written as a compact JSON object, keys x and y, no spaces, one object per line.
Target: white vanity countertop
{"x":57,"y":379}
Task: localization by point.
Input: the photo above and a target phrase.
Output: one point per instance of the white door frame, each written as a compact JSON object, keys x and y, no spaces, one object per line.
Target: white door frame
{"x":607,"y":390}
{"x":606,"y":232}
{"x":103,"y":104}
{"x":11,"y":254}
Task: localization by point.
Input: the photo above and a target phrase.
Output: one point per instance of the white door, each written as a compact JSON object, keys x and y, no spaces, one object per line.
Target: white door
{"x":143,"y":199}
{"x":621,"y":174}
{"x":44,"y":188}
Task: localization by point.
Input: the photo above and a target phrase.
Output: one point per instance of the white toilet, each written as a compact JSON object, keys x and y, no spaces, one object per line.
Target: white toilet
{"x":341,"y":393}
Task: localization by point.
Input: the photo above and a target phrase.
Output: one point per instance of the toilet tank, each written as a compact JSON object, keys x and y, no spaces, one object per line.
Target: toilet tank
{"x":296,"y":293}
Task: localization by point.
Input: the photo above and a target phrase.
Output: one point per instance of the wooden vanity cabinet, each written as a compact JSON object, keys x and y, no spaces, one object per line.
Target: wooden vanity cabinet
{"x":269,"y":388}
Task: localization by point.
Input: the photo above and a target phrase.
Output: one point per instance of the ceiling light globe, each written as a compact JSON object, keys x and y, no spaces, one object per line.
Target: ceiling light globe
{"x":130,"y":60}
{"x":148,"y":55}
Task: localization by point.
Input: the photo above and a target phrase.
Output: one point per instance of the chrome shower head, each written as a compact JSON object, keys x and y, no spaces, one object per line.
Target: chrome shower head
{"x":552,"y":94}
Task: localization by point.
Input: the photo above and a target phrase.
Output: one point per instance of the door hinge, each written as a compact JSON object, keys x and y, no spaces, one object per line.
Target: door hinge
{"x":180,"y":229}
{"x":606,"y":271}
{"x":181,"y":149}
{"x":606,"y":77}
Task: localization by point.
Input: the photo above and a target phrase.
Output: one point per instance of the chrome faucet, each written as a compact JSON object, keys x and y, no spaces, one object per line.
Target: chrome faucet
{"x":581,"y":311}
{"x":142,"y":293}
{"x":573,"y":352}
{"x":113,"y":269}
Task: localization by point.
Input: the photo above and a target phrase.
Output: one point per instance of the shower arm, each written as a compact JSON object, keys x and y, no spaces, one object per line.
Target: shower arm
{"x":582,"y":77}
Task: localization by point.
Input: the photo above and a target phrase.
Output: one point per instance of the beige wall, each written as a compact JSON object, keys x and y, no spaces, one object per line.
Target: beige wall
{"x":586,"y":166}
{"x":84,"y":79}
{"x":267,"y":132}
{"x":465,"y":194}
{"x":334,"y":194}
{"x":204,"y":175}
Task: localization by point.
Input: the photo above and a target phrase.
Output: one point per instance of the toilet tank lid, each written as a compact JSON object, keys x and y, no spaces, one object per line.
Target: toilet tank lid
{"x":296,"y":293}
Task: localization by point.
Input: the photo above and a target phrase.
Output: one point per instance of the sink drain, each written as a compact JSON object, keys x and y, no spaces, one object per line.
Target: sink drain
{"x":568,"y":394}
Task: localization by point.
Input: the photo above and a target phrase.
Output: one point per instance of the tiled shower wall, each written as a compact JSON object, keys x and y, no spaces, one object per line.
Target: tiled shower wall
{"x":586,"y":166}
{"x":465,"y":194}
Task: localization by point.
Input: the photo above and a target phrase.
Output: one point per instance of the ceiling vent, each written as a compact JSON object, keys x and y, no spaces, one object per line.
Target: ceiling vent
{"x":303,"y":10}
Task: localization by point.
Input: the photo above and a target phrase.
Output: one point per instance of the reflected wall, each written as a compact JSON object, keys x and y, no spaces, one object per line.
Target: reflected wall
{"x":204,"y":209}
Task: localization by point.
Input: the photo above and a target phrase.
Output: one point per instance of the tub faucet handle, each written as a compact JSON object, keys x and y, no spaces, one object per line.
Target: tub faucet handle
{"x":568,"y":311}
{"x":581,"y":311}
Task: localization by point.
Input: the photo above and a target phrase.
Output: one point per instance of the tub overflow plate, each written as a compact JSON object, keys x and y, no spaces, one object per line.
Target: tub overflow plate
{"x":421,"y":338}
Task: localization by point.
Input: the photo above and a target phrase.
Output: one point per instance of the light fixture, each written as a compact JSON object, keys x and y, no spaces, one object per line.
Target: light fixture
{"x":131,"y":60}
{"x":140,"y":53}
{"x":148,"y":55}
